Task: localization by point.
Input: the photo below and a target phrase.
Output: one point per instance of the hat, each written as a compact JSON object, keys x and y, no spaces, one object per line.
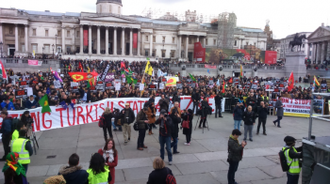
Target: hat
{"x":289,"y":139}
{"x":163,"y":111}
{"x":236,"y":132}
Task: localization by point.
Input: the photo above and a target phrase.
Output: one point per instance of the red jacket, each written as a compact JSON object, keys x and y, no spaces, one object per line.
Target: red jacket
{"x":111,"y":165}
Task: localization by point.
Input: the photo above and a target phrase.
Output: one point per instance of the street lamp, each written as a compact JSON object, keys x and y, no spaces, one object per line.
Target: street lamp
{"x":1,"y":49}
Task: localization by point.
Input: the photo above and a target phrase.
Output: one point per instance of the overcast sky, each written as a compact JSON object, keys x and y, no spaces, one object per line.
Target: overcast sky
{"x":285,"y":16}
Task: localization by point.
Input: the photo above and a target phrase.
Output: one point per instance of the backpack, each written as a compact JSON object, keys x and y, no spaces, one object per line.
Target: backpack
{"x":14,"y":123}
{"x":284,"y":163}
{"x":101,"y":121}
{"x":170,"y":179}
{"x":136,"y":126}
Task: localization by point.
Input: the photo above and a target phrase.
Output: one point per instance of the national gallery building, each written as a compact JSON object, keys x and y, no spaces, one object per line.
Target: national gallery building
{"x":107,"y":34}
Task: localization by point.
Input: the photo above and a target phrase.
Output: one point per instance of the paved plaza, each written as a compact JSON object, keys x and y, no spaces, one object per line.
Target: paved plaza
{"x":202,"y":162}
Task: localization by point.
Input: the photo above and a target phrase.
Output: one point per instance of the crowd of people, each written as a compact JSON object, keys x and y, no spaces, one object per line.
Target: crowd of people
{"x":248,"y":99}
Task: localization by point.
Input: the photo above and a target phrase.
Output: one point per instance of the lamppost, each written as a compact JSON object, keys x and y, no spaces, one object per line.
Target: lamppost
{"x":1,"y":49}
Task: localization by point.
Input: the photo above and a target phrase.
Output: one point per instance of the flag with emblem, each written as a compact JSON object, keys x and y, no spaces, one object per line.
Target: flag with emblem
{"x":241,"y":72}
{"x":148,"y":68}
{"x":44,"y":104}
{"x":3,"y":71}
{"x":316,"y":82}
{"x":291,"y":82}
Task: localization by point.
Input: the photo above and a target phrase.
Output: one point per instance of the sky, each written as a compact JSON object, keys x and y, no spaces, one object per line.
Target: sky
{"x":285,"y":16}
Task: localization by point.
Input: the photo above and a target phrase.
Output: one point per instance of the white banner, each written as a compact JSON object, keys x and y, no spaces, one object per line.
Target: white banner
{"x":91,"y":112}
{"x":299,"y":107}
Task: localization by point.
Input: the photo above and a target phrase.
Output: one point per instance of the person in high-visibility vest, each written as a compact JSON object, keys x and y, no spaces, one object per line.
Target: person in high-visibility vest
{"x":23,"y":147}
{"x":292,"y":156}
{"x":19,"y":127}
{"x":98,"y":172}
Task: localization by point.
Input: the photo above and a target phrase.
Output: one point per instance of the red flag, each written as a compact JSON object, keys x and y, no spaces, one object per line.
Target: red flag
{"x":122,"y":65}
{"x":81,"y":76}
{"x":81,"y":67}
{"x":223,"y":87}
{"x":231,"y":80}
{"x":291,"y":82}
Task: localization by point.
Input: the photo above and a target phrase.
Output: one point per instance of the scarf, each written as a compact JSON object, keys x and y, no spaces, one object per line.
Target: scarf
{"x":11,"y":163}
{"x":110,"y":154}
{"x":231,"y":136}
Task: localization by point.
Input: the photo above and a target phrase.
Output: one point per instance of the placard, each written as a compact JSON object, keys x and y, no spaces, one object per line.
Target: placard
{"x":29,"y":91}
{"x":57,"y":84}
{"x":141,"y":87}
{"x":117,"y":86}
{"x":161,"y":85}
{"x":178,"y":85}
{"x":74,"y":84}
{"x":21,"y":93}
{"x":152,"y":86}
{"x":100,"y":85}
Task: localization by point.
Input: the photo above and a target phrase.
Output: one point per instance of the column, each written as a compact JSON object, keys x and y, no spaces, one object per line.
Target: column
{"x":123,"y":41}
{"x":1,"y":33}
{"x":81,"y":39}
{"x":328,"y":51}
{"x":187,"y":44}
{"x":26,"y":38}
{"x":63,"y":40}
{"x":131,"y":42}
{"x":106,"y":40}
{"x":16,"y":38}
{"x":314,"y":53}
{"x":307,"y":48}
{"x":319,"y":51}
{"x":139,"y":43}
{"x":98,"y":41}
{"x":115,"y":41}
{"x":197,"y":38}
{"x":204,"y":42}
{"x":151,"y":40}
{"x":179,"y":45}
{"x":89,"y":40}
{"x":323,"y":52}
{"x":73,"y":48}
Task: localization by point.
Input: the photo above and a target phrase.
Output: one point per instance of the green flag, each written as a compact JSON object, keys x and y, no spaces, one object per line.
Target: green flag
{"x":192,"y":77}
{"x":44,"y":104}
{"x":129,"y":79}
{"x":134,"y":81}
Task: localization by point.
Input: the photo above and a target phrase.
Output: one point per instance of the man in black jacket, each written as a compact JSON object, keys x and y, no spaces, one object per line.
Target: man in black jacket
{"x":218,"y":100}
{"x":205,"y":110}
{"x":262,"y":112}
{"x":195,"y":98}
{"x":249,"y":120}
{"x":165,"y":127}
{"x":127,"y":117}
{"x":74,"y":173}
{"x":142,"y":119}
{"x":235,"y":153}
{"x":163,"y":103}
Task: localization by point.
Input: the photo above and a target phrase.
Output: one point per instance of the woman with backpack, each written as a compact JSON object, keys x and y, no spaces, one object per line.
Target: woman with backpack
{"x":187,"y":116}
{"x":161,"y":174}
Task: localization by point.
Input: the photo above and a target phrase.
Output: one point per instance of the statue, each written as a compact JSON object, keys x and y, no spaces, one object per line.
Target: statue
{"x":297,"y":41}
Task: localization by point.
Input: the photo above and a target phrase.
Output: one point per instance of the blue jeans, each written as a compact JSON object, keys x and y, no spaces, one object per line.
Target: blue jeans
{"x":162,"y":141}
{"x":174,"y":144}
{"x":113,"y":125}
{"x":237,"y":124}
{"x":278,"y":120}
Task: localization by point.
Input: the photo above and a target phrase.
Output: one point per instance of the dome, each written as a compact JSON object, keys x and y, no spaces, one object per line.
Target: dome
{"x":110,"y":1}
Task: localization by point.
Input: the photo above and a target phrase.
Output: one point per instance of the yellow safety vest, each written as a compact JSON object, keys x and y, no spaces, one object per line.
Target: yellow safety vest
{"x":100,"y":178}
{"x":18,"y":146}
{"x":15,"y":135}
{"x":264,"y":97}
{"x":293,"y":163}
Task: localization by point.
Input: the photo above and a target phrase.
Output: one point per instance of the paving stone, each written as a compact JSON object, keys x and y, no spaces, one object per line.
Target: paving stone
{"x":218,"y":155}
{"x":242,"y":175}
{"x":273,"y":170}
{"x":53,"y":169}
{"x":134,"y":163}
{"x":248,"y":162}
{"x":137,"y":173}
{"x":37,"y":171}
{"x":201,"y":167}
{"x":196,"y":179}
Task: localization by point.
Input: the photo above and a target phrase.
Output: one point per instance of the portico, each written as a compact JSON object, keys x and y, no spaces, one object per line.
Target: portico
{"x":320,"y":42}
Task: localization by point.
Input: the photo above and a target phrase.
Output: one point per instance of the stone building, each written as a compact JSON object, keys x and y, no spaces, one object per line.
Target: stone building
{"x":319,"y":41}
{"x":108,"y":34}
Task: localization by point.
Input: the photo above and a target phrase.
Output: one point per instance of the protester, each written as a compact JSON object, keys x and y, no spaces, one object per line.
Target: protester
{"x":127,"y":117}
{"x":176,"y":120}
{"x":235,"y":153}
{"x":107,"y":123}
{"x":28,"y":122}
{"x":24,"y":148}
{"x":188,"y":116}
{"x":6,"y":132}
{"x":293,"y":156}
{"x":165,"y":127}
{"x":8,"y":105}
{"x":205,"y":110}
{"x":262,"y":114}
{"x":31,"y":103}
{"x":218,"y":102}
{"x":163,"y":103}
{"x":98,"y":172}
{"x":160,"y":174}
{"x":142,"y":121}
{"x":279,"y":107}
{"x":110,"y":155}
{"x":13,"y":171}
{"x":73,"y":173}
{"x":238,"y":115}
{"x":249,"y":120}
{"x":151,"y":115}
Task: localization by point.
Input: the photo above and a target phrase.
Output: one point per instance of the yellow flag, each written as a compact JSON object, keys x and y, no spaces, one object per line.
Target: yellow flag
{"x":148,"y":68}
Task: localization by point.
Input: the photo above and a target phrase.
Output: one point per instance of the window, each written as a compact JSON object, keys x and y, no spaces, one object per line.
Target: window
{"x":35,"y":48}
{"x":214,"y":42}
{"x":110,"y":9}
{"x":78,"y":33}
{"x":154,"y":38}
{"x":146,"y":52}
{"x":207,"y":41}
{"x":147,"y":38}
{"x":59,"y":33}
{"x":68,"y":33}
{"x":23,"y":48}
{"x":189,"y":40}
{"x":34,"y":32}
{"x":173,"y":40}
{"x":46,"y":49}
{"x":163,"y":39}
{"x":235,"y":44}
{"x":172,"y":53}
{"x":163,"y":53}
{"x":154,"y":52}
{"x":46,"y":32}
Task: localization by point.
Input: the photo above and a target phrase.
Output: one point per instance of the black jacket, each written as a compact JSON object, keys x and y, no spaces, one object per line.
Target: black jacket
{"x":163,"y":104}
{"x":74,"y":174}
{"x":262,"y":112}
{"x":175,"y":128}
{"x":158,"y":176}
{"x":165,"y":128}
{"x":107,"y":119}
{"x":186,"y":116}
{"x":196,"y":96}
{"x":249,"y":118}
{"x":205,"y":108}
{"x":131,"y":116}
{"x":235,"y":150}
{"x":176,"y":98}
{"x":217,"y":100}
{"x":141,"y":117}
{"x":238,"y":113}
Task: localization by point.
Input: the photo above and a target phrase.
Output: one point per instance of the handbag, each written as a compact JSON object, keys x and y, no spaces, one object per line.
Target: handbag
{"x":170,"y":179}
{"x":101,"y":122}
{"x":185,"y":123}
{"x":136,"y":126}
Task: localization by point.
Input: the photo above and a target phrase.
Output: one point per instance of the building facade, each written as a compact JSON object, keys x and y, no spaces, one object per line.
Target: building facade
{"x":319,"y":41}
{"x":107,"y":34}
